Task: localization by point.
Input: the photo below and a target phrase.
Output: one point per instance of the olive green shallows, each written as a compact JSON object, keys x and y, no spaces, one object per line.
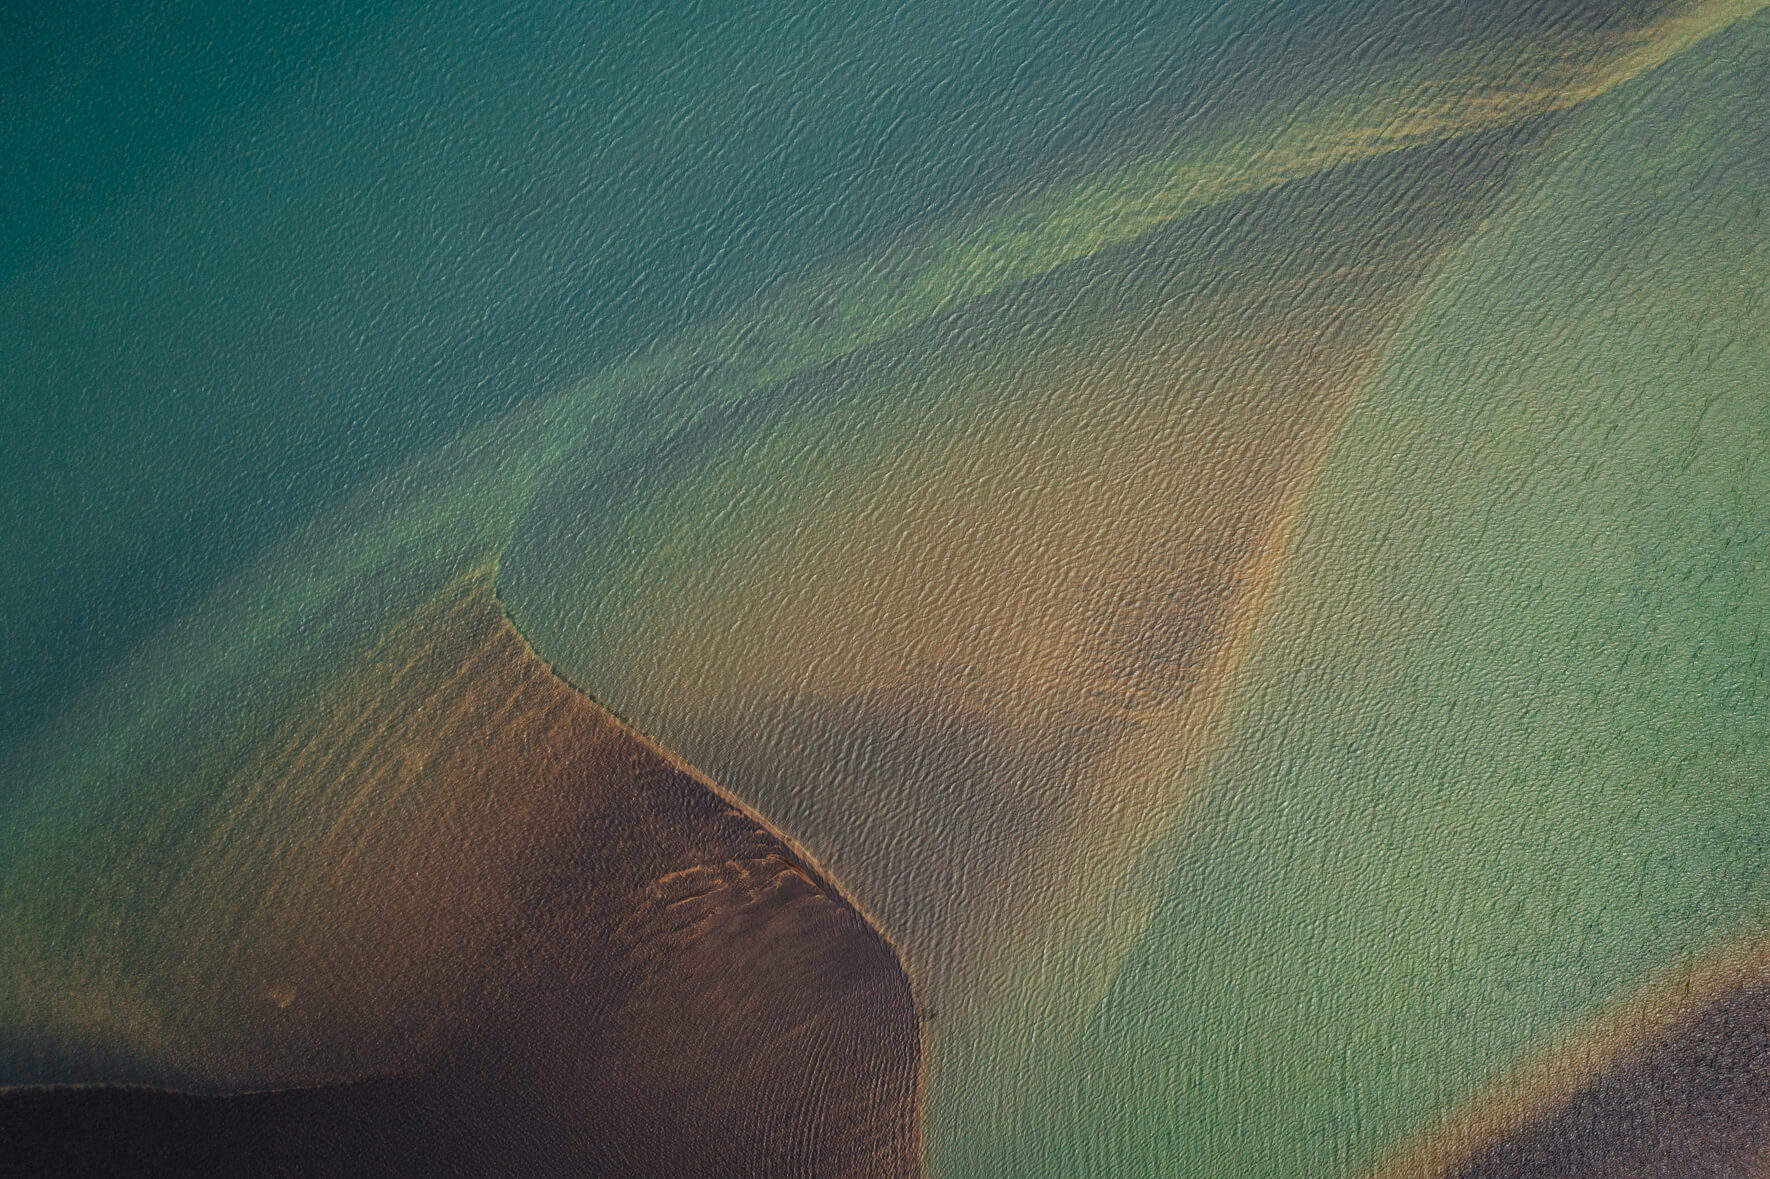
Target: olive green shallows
{"x":1499,"y":754}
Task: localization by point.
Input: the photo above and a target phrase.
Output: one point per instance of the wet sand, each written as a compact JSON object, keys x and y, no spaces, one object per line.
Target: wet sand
{"x":464,"y":918}
{"x":1673,"y":1082}
{"x":1694,"y":1103}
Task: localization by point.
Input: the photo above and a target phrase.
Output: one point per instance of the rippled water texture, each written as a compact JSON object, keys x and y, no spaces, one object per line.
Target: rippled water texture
{"x":993,"y":589}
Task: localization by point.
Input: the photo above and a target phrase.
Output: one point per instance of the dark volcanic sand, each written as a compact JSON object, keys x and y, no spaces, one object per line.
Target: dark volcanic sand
{"x":666,"y":989}
{"x":1692,"y":1103}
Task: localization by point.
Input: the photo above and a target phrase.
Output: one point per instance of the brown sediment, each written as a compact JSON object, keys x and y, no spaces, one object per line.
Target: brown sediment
{"x":558,"y":948}
{"x":949,"y":633}
{"x":1673,"y":1081}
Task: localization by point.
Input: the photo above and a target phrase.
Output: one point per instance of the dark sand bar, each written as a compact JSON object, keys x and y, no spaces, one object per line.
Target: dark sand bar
{"x":457,"y":918}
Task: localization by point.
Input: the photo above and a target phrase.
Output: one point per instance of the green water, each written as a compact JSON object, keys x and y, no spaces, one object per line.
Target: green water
{"x":1500,"y":751}
{"x":613,"y":294}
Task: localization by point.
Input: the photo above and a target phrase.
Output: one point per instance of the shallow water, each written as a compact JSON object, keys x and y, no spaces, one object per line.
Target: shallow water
{"x":1229,"y":533}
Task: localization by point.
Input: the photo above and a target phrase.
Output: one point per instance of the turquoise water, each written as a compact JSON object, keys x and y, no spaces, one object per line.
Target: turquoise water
{"x":1269,"y":493}
{"x":253,"y":262}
